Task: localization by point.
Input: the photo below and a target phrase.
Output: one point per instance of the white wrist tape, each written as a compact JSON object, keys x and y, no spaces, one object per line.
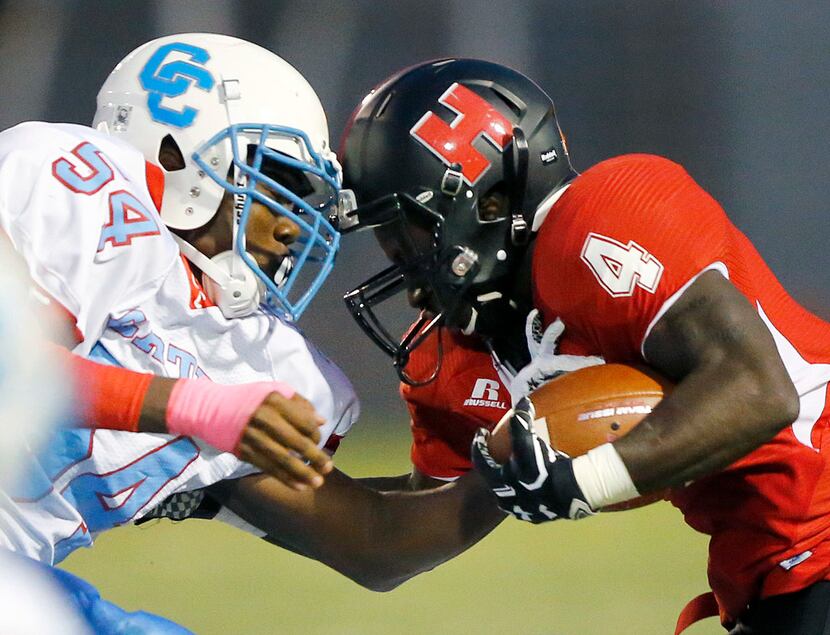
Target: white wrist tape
{"x":603,"y":477}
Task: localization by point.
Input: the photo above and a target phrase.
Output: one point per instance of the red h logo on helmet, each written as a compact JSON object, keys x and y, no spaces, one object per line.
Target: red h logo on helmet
{"x":453,"y":143}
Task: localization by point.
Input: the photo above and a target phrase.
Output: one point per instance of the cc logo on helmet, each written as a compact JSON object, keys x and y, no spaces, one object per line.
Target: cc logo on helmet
{"x":173,"y":79}
{"x":453,"y":142}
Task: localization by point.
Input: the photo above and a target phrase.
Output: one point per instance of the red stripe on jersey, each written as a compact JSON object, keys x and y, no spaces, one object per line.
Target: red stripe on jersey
{"x":198,"y":297}
{"x":155,"y":183}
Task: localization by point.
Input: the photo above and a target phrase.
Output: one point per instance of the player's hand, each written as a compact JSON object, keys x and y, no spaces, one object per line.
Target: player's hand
{"x":537,"y":483}
{"x":264,"y":423}
{"x":545,"y":363}
{"x":281,"y":438}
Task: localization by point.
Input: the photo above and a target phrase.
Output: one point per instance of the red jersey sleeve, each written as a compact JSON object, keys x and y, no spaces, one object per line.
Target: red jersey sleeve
{"x":466,"y":395}
{"x":616,"y":249}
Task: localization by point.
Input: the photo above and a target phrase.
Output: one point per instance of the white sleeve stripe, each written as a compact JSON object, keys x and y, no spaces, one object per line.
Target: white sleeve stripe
{"x":809,"y":379}
{"x":717,"y":266}
{"x":445,"y":479}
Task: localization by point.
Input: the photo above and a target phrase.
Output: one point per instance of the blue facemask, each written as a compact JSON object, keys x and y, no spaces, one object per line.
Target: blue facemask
{"x":312,"y":255}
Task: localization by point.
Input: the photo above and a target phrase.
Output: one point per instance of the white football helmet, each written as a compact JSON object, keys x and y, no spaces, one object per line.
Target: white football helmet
{"x":232,"y":108}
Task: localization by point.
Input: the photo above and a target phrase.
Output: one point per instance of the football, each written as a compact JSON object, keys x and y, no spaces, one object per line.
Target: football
{"x":588,"y":407}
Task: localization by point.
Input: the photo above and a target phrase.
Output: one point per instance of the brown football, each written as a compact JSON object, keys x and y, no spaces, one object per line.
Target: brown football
{"x":591,"y":406}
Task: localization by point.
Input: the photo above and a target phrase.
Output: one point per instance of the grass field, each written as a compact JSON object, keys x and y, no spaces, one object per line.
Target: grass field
{"x":622,"y":573}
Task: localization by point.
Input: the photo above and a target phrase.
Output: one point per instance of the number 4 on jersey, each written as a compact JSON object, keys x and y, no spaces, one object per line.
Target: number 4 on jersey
{"x":619,"y":268}
{"x":128,"y":219}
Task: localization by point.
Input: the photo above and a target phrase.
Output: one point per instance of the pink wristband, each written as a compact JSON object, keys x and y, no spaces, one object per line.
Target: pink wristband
{"x":217,"y":413}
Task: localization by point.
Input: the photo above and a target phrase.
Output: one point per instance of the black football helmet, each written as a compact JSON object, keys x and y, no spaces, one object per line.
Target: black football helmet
{"x":450,"y":160}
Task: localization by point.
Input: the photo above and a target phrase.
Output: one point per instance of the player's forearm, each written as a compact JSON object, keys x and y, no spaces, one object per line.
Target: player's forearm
{"x":417,"y":531}
{"x":154,"y":407}
{"x":377,"y":539}
{"x":712,"y":419}
{"x":733,"y":393}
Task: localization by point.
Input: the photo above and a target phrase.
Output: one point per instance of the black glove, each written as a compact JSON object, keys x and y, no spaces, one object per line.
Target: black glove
{"x":537,"y":484}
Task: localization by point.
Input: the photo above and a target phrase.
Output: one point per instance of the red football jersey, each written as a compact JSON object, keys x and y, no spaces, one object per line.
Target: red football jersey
{"x":617,"y":249}
{"x":466,"y":395}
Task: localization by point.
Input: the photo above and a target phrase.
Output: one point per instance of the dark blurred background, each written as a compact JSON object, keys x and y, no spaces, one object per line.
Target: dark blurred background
{"x":737,"y":92}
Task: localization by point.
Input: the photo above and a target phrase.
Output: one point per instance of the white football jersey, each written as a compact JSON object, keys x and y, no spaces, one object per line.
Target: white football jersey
{"x":76,"y":204}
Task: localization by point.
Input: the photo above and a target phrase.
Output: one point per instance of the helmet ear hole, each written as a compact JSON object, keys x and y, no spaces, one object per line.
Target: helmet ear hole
{"x":170,"y":155}
{"x":494,"y":204}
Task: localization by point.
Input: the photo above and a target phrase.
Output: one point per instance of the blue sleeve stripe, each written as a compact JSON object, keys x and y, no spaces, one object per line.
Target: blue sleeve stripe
{"x":100,"y":354}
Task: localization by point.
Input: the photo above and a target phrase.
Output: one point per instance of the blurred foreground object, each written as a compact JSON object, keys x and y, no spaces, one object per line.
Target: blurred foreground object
{"x":32,"y":398}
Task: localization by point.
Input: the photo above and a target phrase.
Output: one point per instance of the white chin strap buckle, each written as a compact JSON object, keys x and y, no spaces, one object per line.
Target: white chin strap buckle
{"x":236,"y":294}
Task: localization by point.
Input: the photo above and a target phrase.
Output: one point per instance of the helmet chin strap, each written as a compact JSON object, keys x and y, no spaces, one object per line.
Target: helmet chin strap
{"x":227,"y":280}
{"x":520,"y":222}
{"x":471,"y":325}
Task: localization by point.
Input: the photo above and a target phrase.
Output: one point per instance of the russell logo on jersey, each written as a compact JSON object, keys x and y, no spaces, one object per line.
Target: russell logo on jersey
{"x":485,"y":393}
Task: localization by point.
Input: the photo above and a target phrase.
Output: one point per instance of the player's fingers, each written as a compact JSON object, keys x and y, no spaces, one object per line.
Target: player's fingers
{"x":302,"y":407}
{"x":284,"y":433}
{"x":297,"y":411}
{"x":550,"y":337}
{"x":259,"y":443}
{"x":276,"y":430}
{"x":268,"y":466}
{"x":530,"y":321}
{"x":525,"y":406}
{"x":302,"y":424}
